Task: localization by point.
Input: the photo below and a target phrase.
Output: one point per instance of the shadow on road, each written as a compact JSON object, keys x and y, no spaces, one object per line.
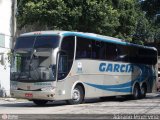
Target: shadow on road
{"x":31,"y":104}
{"x":26,"y":103}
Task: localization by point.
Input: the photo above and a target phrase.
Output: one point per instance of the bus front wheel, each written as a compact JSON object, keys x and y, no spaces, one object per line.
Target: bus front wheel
{"x":77,"y":96}
{"x":40,"y":102}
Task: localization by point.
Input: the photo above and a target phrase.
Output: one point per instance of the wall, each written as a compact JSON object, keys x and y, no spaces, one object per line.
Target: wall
{"x":5,"y":45}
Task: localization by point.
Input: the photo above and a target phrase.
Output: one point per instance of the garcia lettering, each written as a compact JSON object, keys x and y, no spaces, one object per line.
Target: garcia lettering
{"x":104,"y":67}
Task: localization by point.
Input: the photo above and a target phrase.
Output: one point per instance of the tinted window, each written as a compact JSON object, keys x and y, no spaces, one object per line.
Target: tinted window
{"x":47,"y":42}
{"x":37,"y":42}
{"x":67,"y":46}
{"x":24,"y":42}
{"x":133,"y":54}
{"x":147,"y":56}
{"x":66,"y":56}
{"x":111,"y":52}
{"x":87,"y":48}
{"x":123,"y":53}
{"x":98,"y":50}
{"x":84,"y":48}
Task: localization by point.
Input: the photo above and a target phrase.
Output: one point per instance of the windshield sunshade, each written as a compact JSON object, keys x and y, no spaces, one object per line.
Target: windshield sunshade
{"x":37,"y":42}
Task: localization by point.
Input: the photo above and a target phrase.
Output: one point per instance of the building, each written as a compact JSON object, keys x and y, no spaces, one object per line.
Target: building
{"x":6,"y":38}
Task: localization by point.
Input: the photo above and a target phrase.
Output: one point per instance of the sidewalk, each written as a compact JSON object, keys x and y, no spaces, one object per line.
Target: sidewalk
{"x":9,"y":99}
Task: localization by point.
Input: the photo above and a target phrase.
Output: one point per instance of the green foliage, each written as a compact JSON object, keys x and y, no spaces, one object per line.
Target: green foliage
{"x":152,"y":7}
{"x":157,"y":35}
{"x":118,"y":18}
{"x":78,"y":15}
{"x":127,"y":18}
{"x":152,"y":10}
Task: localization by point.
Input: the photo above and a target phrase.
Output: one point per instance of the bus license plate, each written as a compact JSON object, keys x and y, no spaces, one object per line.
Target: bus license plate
{"x":29,"y":95}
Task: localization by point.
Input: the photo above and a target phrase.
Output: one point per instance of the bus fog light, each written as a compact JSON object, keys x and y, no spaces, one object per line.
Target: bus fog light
{"x":52,"y":95}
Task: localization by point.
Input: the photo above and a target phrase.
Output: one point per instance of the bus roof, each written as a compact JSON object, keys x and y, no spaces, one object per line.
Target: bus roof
{"x":87,"y":35}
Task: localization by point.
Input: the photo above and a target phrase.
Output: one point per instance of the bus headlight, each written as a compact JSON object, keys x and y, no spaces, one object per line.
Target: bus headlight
{"x":47,"y":89}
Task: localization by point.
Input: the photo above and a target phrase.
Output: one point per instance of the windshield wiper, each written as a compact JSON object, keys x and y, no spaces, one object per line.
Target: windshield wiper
{"x":31,"y":57}
{"x":33,"y":68}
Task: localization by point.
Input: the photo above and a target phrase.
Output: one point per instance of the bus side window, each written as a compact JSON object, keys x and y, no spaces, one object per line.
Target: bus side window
{"x":98,"y":50}
{"x":133,"y":54}
{"x":84,"y":48}
{"x":148,"y":55}
{"x":63,"y":64}
{"x":111,"y":52}
{"x":123,"y":53}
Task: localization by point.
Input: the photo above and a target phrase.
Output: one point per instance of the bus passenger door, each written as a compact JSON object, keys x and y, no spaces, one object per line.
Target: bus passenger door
{"x":62,"y":66}
{"x":65,"y":61}
{"x":66,"y":57}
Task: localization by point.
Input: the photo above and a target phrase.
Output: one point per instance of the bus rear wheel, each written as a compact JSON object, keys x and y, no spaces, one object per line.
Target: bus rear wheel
{"x":77,"y":95}
{"x":143,"y":91}
{"x":40,"y":102}
{"x":136,"y":92}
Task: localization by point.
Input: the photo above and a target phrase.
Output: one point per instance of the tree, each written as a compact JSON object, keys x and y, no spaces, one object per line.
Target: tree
{"x":131,"y":28}
{"x":152,"y":10}
{"x":117,"y":18}
{"x":79,"y":15}
{"x":151,"y":7}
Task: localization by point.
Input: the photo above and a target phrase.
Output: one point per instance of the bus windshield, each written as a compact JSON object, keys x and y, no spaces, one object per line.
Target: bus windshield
{"x":33,"y":58}
{"x":37,"y":42}
{"x":37,"y":68}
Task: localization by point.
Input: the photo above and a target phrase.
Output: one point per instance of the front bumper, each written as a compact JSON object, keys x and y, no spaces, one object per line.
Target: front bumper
{"x":41,"y":95}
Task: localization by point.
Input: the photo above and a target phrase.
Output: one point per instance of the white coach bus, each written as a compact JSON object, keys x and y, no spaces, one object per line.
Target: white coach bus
{"x":72,"y":66}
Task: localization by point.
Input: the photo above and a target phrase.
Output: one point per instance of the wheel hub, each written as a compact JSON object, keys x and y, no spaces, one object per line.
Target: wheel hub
{"x":76,"y":95}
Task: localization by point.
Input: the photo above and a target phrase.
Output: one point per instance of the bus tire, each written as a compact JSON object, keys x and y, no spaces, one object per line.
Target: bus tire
{"x":143,"y":91}
{"x":136,"y":92}
{"x":40,"y":102}
{"x":77,"y":96}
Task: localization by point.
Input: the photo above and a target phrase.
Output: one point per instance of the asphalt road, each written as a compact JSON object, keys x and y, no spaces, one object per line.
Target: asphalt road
{"x":91,"y":109}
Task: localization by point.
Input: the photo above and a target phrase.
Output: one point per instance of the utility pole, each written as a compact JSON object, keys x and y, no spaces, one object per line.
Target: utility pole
{"x":14,"y":22}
